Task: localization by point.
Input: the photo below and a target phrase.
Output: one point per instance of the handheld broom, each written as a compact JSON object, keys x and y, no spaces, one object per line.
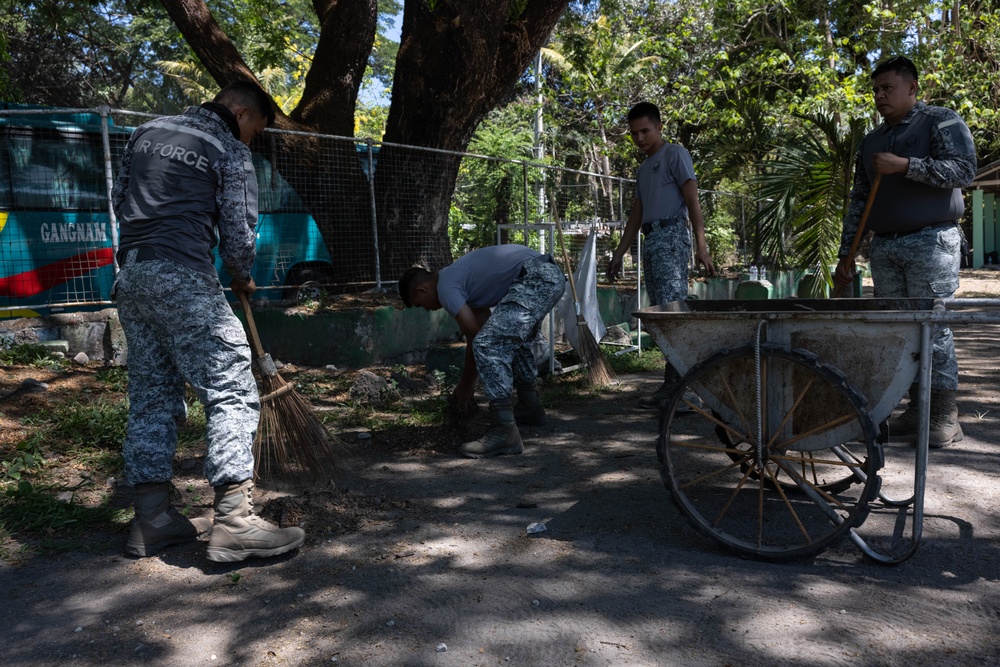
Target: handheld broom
{"x":291,"y":440}
{"x":600,"y":372}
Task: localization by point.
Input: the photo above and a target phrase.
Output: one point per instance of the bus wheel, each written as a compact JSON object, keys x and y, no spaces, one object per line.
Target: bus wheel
{"x":305,"y":283}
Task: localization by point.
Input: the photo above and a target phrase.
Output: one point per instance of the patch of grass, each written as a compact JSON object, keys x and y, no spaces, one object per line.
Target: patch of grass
{"x":26,"y":459}
{"x":100,"y":424}
{"x":32,"y":355}
{"x":114,"y":378}
{"x":25,"y":507}
{"x":430,"y":411}
{"x":313,"y":387}
{"x":647,"y":361}
{"x":192,"y":431}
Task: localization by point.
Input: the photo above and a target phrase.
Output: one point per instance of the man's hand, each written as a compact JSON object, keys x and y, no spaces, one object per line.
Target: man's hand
{"x":845,"y":272}
{"x":890,"y":163}
{"x":248,"y":286}
{"x":702,"y":257}
{"x":462,"y":399}
{"x":614,"y":267}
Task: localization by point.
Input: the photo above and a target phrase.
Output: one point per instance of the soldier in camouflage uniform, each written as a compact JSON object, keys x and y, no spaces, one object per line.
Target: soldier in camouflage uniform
{"x":184,"y":179}
{"x":925,"y":155}
{"x":666,"y":199}
{"x":521,"y":286}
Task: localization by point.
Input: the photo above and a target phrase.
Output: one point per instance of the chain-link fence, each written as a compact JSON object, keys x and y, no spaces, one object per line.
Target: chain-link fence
{"x":335,"y":212}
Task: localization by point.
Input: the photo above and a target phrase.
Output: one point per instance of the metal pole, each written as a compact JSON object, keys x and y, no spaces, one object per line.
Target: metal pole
{"x":371,"y":200}
{"x":109,"y":184}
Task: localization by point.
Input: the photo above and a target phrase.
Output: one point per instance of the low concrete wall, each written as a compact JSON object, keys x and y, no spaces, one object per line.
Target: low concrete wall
{"x":353,"y":338}
{"x":99,"y":333}
{"x":349,"y":338}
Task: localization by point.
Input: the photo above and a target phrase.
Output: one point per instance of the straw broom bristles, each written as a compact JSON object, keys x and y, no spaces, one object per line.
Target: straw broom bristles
{"x":291,"y":440}
{"x":599,"y":370}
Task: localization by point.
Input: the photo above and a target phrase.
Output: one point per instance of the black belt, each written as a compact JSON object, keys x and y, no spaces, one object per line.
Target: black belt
{"x":647,"y":227}
{"x":890,"y":236}
{"x":541,"y":259}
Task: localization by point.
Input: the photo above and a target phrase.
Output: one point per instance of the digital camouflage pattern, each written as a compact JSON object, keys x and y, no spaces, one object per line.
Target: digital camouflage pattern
{"x":181,"y":179}
{"x":179,"y":327}
{"x":951,"y":163}
{"x":922,"y":265}
{"x":502,"y":347}
{"x":666,"y":254}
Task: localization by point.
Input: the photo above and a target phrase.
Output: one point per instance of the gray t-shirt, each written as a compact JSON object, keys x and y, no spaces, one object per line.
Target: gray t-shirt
{"x":482,"y":277}
{"x":658,"y":184}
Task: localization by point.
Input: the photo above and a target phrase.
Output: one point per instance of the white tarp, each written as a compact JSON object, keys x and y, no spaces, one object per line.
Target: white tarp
{"x":586,"y":288}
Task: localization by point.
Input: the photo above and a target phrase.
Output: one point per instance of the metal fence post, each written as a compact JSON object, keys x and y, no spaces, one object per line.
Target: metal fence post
{"x":109,"y":183}
{"x":371,"y":199}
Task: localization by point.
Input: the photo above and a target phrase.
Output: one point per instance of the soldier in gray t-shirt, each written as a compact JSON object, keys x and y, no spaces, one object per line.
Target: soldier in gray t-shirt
{"x":520,"y":286}
{"x":666,"y":199}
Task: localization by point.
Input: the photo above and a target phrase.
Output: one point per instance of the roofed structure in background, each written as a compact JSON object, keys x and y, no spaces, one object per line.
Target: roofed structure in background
{"x":987,"y":178}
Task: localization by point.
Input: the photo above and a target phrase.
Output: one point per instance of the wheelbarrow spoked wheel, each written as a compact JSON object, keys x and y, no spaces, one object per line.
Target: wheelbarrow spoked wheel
{"x":742,"y":452}
{"x":814,"y":474}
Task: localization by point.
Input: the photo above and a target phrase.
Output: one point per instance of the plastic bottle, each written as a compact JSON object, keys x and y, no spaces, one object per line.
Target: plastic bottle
{"x":753,"y":272}
{"x":763,"y":273}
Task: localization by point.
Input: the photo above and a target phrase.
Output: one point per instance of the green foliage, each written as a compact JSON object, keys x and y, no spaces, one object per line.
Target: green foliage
{"x":490,"y":192}
{"x":803,"y":192}
{"x":99,"y":424}
{"x":647,"y":361}
{"x":114,"y":378}
{"x":32,"y":355}
{"x":25,"y":507}
{"x":26,"y":459}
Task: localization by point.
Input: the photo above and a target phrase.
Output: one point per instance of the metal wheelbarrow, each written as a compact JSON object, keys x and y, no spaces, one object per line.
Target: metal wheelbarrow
{"x":780,"y":457}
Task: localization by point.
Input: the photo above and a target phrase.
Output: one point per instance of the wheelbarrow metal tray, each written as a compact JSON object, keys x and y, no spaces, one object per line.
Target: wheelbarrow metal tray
{"x":875,"y":343}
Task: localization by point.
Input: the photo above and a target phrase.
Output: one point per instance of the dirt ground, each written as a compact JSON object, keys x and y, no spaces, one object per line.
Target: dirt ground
{"x":418,"y":557}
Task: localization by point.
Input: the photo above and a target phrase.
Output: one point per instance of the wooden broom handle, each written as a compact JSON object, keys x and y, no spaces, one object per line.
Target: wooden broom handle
{"x":860,"y":234}
{"x":562,"y":245}
{"x":258,"y":348}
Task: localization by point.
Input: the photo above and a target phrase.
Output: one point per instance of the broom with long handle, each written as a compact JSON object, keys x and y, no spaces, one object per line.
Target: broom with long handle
{"x":600,"y":372}
{"x":291,"y":440}
{"x":860,"y":234}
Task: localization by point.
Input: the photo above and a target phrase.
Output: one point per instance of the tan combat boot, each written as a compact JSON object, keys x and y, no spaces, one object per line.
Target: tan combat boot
{"x":157,"y":524}
{"x":904,"y":427}
{"x":239,"y":534}
{"x":529,"y":410}
{"x":944,"y":428}
{"x":501,"y":438}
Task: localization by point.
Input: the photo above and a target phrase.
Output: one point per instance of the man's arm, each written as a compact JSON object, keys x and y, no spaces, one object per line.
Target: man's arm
{"x":236,"y":198}
{"x":628,"y":235}
{"x":690,"y":192}
{"x":470,"y":321}
{"x":952,"y":162}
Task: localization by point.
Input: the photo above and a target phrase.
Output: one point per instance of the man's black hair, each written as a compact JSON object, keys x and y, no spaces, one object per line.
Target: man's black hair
{"x":247,"y":94}
{"x":901,"y":65}
{"x":644,"y":110}
{"x":411,"y":278}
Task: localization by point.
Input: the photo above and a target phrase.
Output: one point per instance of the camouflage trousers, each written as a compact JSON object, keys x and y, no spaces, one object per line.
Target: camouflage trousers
{"x":922,"y":265}
{"x":666,"y":255}
{"x":502,"y":348}
{"x":179,"y":328}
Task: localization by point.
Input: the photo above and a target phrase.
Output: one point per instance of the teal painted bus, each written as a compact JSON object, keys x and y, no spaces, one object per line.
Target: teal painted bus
{"x":56,"y":240}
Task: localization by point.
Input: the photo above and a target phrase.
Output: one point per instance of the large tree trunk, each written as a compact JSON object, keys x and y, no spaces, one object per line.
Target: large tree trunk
{"x":327,"y":107}
{"x":455,"y":64}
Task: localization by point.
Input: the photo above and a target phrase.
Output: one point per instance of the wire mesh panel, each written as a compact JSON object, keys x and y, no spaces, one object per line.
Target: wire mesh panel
{"x":56,"y":237}
{"x":334,"y":212}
